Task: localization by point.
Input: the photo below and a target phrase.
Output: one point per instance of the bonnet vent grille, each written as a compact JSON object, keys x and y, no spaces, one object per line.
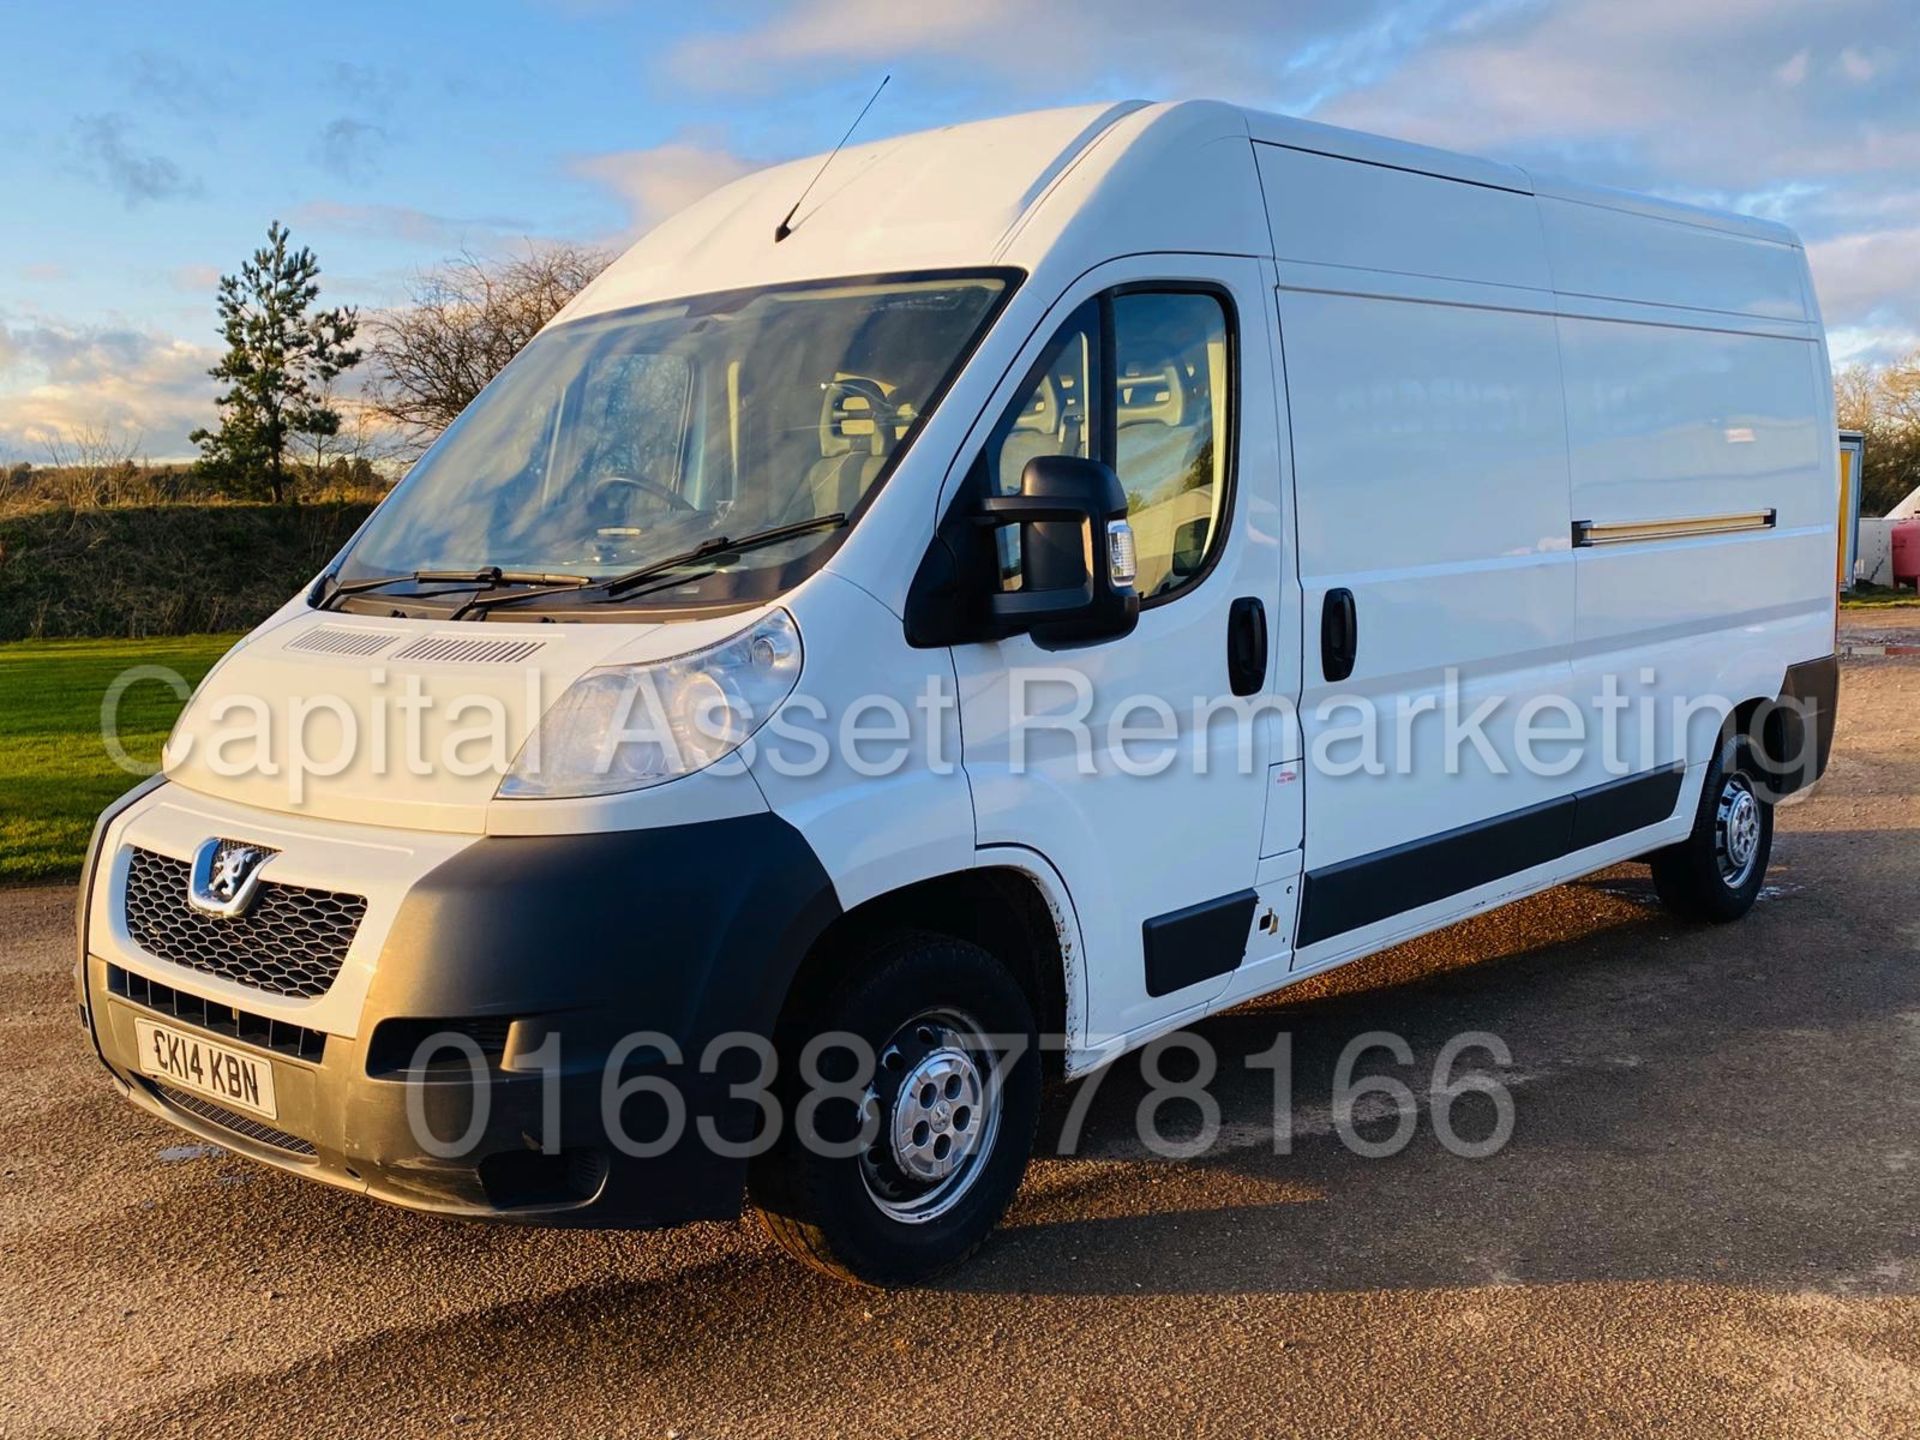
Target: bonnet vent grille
{"x":342,"y":640}
{"x":459,"y":649}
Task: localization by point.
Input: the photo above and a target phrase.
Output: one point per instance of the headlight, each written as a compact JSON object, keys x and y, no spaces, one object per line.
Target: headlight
{"x":625,"y":727}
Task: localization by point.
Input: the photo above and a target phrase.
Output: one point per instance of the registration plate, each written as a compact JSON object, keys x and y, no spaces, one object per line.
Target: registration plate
{"x":206,"y":1069}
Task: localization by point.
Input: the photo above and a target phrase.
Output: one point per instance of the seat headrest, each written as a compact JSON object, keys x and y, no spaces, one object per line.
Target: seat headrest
{"x":848,"y":420}
{"x":1150,"y":394}
{"x":1041,"y":414}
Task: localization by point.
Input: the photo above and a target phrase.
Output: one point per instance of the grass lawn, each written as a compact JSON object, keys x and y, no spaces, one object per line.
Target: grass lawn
{"x":1878,"y":597}
{"x":55,"y":772}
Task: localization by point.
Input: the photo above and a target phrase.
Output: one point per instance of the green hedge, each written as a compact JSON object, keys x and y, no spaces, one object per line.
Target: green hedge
{"x":136,"y":571}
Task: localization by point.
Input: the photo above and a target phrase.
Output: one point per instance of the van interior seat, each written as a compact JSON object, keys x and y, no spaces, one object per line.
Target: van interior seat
{"x":854,"y":446}
{"x":1039,"y":429}
{"x":1152,"y":437}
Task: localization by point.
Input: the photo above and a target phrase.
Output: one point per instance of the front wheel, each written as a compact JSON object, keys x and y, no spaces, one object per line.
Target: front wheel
{"x":916,"y":1144}
{"x":1715,"y":874}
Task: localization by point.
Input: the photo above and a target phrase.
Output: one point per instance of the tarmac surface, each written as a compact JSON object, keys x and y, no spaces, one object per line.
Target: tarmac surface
{"x":1706,"y":1222}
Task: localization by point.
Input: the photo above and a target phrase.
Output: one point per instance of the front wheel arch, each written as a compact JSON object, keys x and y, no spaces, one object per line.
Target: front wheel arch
{"x":1000,"y":908}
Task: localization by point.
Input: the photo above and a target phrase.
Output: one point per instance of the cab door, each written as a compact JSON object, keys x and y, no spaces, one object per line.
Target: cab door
{"x":1131,"y":764}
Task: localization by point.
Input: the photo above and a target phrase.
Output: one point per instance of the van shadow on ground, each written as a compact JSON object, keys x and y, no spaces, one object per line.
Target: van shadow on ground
{"x":1731,"y":1105}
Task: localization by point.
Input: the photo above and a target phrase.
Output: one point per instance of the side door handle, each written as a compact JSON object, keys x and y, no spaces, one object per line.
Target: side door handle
{"x":1339,"y":635}
{"x":1247,"y":645}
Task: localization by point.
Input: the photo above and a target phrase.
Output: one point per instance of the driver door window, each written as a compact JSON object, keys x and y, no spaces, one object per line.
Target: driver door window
{"x":1142,"y":380}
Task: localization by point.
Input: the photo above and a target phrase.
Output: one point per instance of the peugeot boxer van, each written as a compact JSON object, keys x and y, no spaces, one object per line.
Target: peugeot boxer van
{"x":1064,"y":577}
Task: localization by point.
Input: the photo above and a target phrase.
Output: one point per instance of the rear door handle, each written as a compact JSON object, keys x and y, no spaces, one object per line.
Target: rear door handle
{"x":1247,"y":645}
{"x":1339,"y":635}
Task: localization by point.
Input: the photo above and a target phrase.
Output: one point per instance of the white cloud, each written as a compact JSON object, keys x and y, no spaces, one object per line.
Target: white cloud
{"x":656,"y":182}
{"x":1873,"y":345}
{"x":1674,"y":98}
{"x":195,"y":279}
{"x":1773,"y":107}
{"x":838,"y":30}
{"x":1858,"y":66}
{"x":56,"y":377}
{"x":1237,"y":49}
{"x":403,"y":222}
{"x":1857,"y":274}
{"x":839,"y":27}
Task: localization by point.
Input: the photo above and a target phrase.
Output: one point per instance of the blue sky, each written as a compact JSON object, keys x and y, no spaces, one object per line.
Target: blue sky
{"x":144,"y":148}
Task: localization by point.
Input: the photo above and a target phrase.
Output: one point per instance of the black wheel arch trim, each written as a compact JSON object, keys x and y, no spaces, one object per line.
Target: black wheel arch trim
{"x":692,"y":931}
{"x":1792,"y":736}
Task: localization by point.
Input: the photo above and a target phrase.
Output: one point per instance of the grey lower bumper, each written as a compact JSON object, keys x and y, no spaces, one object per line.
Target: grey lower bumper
{"x":563,"y":946}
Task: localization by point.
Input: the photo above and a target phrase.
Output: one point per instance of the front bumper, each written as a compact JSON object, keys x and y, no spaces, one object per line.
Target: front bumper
{"x":548,"y":951}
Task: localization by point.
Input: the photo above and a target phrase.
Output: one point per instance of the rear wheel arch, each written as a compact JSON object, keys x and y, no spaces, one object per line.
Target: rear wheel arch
{"x":1717,"y":871}
{"x":1775,"y":742}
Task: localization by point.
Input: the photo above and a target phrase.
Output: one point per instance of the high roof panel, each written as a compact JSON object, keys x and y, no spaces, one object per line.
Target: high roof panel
{"x":1065,"y":188}
{"x":937,"y":198}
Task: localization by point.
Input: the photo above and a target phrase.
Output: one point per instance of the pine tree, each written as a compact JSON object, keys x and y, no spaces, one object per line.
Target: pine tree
{"x":279,"y":364}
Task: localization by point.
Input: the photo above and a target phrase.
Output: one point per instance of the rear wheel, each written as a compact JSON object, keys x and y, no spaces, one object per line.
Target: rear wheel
{"x":1715,"y":874}
{"x":924,"y":1150}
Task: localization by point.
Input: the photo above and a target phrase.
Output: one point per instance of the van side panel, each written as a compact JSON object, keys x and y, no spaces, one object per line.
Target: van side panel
{"x":1597,"y":249}
{"x":1331,"y":211}
{"x":1666,"y":422}
{"x":1430,"y":462}
{"x":1429,"y":447}
{"x":1692,"y":396}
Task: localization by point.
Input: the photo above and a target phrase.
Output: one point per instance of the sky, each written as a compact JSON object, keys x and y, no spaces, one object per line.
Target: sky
{"x":144,"y":148}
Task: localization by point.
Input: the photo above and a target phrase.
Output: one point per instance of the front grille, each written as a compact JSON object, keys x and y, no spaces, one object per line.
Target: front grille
{"x":246,"y":1128}
{"x":281,"y":1036}
{"x":292,"y":940}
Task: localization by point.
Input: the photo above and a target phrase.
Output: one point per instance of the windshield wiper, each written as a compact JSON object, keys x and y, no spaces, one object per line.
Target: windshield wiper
{"x":480,"y":600}
{"x":716,"y":547}
{"x":485,"y":578}
{"x":492,"y":577}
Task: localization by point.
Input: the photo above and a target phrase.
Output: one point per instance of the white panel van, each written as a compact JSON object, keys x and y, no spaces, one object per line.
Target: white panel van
{"x":1067,"y":575}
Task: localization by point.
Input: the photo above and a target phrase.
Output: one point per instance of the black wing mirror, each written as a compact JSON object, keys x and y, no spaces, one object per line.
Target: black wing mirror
{"x":1076,"y":553}
{"x":1076,"y":562}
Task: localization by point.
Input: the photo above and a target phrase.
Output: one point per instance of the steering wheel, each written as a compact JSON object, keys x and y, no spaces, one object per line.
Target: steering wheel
{"x":675,"y":500}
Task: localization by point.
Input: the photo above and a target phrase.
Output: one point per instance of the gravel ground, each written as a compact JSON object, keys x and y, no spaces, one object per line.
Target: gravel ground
{"x":1705,"y":1222}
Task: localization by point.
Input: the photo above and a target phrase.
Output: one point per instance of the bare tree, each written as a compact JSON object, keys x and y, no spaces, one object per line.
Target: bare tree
{"x":93,"y":461}
{"x":463,"y":323}
{"x":1884,"y":405}
{"x":1853,"y":399}
{"x":360,"y":450}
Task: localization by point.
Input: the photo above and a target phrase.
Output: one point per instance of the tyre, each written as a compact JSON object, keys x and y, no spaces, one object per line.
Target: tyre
{"x":1715,"y":874}
{"x":924,"y":1150}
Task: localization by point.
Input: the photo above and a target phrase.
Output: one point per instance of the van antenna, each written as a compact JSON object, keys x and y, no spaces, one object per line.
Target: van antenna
{"x":785,"y":227}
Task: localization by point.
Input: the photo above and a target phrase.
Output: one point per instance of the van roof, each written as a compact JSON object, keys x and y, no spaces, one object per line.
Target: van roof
{"x":1143,"y":176}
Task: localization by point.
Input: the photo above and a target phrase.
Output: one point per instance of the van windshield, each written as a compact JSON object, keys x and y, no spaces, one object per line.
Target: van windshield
{"x":618,"y":441}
